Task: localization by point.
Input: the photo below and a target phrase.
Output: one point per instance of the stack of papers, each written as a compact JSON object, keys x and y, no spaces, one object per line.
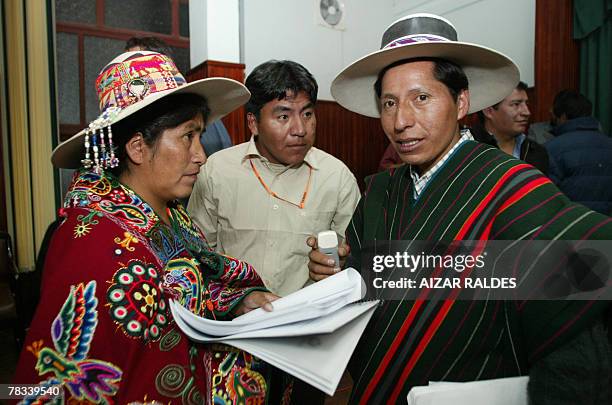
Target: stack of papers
{"x":310,"y":334}
{"x":501,"y":391}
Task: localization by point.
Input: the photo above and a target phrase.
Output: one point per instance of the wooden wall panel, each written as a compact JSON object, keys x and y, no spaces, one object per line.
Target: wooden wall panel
{"x":235,"y":122}
{"x":557,"y":58}
{"x":556,"y":55}
{"x":356,"y":140}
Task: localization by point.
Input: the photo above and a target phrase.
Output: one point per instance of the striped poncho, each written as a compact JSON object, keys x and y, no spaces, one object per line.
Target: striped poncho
{"x":479,"y":194}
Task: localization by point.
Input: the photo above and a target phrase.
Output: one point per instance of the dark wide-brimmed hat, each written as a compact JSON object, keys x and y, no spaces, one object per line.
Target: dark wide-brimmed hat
{"x":130,"y":82}
{"x":491,"y":74}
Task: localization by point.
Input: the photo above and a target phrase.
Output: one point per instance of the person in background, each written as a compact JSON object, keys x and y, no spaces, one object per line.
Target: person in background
{"x":152,"y":44}
{"x":580,"y":154}
{"x":504,"y":125}
{"x":216,"y":136}
{"x":260,"y":200}
{"x":540,"y":132}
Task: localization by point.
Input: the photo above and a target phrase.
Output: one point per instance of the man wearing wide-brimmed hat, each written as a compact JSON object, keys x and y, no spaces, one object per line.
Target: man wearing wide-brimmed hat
{"x":420,"y":84}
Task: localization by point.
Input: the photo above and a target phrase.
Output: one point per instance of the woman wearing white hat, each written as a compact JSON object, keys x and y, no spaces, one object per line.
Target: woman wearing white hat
{"x":103,"y":331}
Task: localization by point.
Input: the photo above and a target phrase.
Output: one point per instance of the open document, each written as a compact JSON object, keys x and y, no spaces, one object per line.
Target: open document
{"x":310,"y":334}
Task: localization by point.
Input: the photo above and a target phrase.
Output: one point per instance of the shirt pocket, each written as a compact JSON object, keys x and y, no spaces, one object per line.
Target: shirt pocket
{"x":313,"y":222}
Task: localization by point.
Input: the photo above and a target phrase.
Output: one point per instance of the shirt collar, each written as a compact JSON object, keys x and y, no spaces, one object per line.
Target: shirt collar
{"x":518,"y":142}
{"x":421,"y":181}
{"x":251,"y":152}
{"x":466,"y":135}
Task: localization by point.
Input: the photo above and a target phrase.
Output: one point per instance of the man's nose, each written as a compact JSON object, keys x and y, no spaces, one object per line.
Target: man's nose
{"x":404,"y":118}
{"x":299,"y":127}
{"x":525,"y":110}
{"x":198,"y":152}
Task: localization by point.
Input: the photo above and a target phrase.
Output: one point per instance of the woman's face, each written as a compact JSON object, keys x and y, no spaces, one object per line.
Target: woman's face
{"x":171,"y":165}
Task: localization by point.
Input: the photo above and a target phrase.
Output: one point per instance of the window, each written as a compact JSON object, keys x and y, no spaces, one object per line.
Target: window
{"x":91,"y":32}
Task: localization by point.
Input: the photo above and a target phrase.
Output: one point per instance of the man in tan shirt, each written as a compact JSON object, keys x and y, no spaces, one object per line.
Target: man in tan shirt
{"x":260,"y":200}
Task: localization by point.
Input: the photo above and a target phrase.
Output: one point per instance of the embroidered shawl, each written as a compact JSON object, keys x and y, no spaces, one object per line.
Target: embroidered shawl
{"x":103,"y":330}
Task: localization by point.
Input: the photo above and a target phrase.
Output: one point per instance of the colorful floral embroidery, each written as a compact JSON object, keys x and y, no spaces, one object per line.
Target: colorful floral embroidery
{"x":131,"y":213}
{"x":164,"y":242}
{"x":223,"y":293}
{"x":92,"y":183}
{"x":84,"y":227}
{"x":184,"y":226}
{"x":81,"y":230}
{"x":136,"y":301}
{"x":72,"y":332}
{"x":235,"y":379}
{"x":221,"y":299}
{"x":125,"y":242}
{"x":172,"y":382}
{"x":103,"y":192}
{"x":212,"y":264}
{"x":169,"y":340}
{"x":90,"y":218}
{"x":183,"y":281}
{"x":200,"y":279}
{"x":118,"y":196}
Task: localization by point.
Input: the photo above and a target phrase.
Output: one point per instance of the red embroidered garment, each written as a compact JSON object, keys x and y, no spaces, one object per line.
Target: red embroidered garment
{"x":103,"y":330}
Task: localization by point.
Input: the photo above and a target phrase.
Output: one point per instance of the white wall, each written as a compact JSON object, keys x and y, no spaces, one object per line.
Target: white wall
{"x":223,"y":30}
{"x":198,"y":45}
{"x":507,"y":26}
{"x":287,"y":29}
{"x":214,"y":30}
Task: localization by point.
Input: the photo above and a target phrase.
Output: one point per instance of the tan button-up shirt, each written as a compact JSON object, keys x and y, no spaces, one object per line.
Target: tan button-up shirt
{"x":240,"y":218}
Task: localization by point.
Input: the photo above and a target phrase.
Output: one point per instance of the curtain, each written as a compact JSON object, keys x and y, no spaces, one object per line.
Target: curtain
{"x":30,"y":127}
{"x":593,"y":30}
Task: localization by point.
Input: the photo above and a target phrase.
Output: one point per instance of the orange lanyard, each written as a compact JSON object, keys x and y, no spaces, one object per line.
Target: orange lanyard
{"x":273,"y":194}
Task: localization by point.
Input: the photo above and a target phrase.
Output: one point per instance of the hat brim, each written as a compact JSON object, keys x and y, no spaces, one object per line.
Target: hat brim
{"x":491,"y":75}
{"x":222,"y":96}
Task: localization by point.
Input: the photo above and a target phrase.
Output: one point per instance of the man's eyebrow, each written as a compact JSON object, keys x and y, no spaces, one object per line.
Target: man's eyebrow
{"x":411,"y":91}
{"x":388,"y":95}
{"x":307,"y":106}
{"x":281,"y":108}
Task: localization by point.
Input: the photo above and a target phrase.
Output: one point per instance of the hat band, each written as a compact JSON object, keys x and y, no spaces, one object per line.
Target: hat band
{"x":411,"y":39}
{"x":134,"y":76}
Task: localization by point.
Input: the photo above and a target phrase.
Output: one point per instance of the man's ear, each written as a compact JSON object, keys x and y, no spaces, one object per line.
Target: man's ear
{"x":135,"y":148}
{"x":252,"y":123}
{"x":463,"y":104}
